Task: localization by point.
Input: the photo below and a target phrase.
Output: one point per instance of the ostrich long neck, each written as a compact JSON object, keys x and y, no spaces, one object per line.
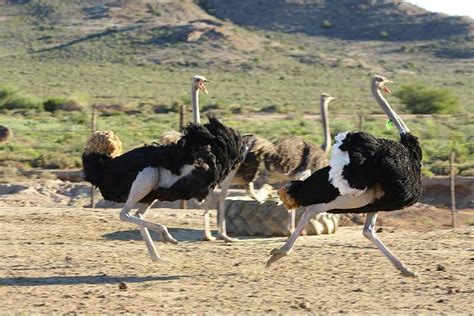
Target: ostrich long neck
{"x":402,"y":128}
{"x":195,"y":104}
{"x":325,"y":121}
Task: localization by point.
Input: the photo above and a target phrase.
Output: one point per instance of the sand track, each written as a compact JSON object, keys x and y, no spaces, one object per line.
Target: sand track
{"x":73,"y":260}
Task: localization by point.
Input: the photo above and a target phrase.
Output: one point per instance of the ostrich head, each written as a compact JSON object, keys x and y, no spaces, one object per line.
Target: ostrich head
{"x":326,"y":97}
{"x":198,"y":83}
{"x":379,"y":82}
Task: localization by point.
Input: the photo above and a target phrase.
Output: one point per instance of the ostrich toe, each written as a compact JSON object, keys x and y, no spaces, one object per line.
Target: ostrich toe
{"x":406,"y":272}
{"x":166,"y":237}
{"x":276,"y":254}
{"x":207,"y":237}
{"x":226,"y":238}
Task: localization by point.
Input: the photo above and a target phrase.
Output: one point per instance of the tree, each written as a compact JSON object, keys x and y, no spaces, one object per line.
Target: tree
{"x":420,"y":99}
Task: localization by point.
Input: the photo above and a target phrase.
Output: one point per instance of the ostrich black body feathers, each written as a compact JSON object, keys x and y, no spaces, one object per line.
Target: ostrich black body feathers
{"x":393,"y":166}
{"x":213,"y":149}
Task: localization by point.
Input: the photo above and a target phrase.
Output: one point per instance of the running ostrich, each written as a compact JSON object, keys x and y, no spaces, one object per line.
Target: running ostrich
{"x":190,"y":168}
{"x":172,"y":137}
{"x":366,"y":174}
{"x":286,"y":159}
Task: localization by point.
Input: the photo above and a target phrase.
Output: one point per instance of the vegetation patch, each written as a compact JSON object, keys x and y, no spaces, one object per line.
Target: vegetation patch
{"x":420,"y":99}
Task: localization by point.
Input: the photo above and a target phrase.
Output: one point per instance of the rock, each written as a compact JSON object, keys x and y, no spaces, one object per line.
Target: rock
{"x":379,"y":230}
{"x":122,"y":286}
{"x":305,"y":305}
{"x":452,"y":290}
{"x":440,"y":267}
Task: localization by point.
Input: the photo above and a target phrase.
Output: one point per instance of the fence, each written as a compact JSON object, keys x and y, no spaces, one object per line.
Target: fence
{"x":360,"y":119}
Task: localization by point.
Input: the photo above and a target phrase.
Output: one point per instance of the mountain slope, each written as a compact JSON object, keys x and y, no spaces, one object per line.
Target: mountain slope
{"x":346,"y":19}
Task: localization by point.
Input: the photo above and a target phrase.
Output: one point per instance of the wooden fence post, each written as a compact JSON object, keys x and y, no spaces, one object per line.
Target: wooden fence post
{"x":361,"y":122}
{"x":93,"y":129}
{"x":182,"y":112}
{"x":453,"y":188}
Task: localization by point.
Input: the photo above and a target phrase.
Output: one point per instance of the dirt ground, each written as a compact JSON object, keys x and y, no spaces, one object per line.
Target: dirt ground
{"x":69,"y":259}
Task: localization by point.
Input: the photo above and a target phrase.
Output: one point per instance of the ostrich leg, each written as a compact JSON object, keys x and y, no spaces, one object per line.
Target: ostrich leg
{"x":221,"y":207}
{"x":369,"y":233}
{"x":146,"y":234}
{"x":277,"y":254}
{"x":341,"y":202}
{"x":143,"y":184}
{"x":292,"y":213}
{"x":207,"y":234}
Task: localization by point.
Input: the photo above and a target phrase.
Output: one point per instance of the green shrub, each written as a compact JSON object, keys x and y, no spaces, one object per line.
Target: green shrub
{"x":420,"y":99}
{"x":7,"y":92}
{"x":55,"y":161}
{"x":18,"y":102}
{"x":271,"y":109}
{"x":327,"y":24}
{"x":68,"y":105}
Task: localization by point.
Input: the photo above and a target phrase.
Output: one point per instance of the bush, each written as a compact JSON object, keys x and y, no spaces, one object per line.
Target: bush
{"x":68,"y":105}
{"x":421,"y":99}
{"x":271,"y":109}
{"x":7,"y":92}
{"x":18,"y":102}
{"x":327,"y":24}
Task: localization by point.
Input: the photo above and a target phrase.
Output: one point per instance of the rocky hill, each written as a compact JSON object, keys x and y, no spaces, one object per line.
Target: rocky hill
{"x":163,"y":31}
{"x":347,"y":19}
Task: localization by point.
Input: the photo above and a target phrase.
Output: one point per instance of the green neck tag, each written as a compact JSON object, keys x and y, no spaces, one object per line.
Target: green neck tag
{"x":389,"y":124}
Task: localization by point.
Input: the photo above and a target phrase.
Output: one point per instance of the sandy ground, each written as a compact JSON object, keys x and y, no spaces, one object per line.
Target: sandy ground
{"x":66,"y":259}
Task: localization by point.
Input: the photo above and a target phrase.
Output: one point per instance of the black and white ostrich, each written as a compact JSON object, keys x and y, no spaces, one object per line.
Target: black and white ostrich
{"x":366,"y":174}
{"x":288,"y":158}
{"x":172,"y":137}
{"x":189,"y":168}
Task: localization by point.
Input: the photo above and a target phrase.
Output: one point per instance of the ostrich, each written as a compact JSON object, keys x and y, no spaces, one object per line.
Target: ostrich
{"x":287,"y":158}
{"x":5,"y":134}
{"x":172,"y":137}
{"x":365,"y":175}
{"x":189,"y":168}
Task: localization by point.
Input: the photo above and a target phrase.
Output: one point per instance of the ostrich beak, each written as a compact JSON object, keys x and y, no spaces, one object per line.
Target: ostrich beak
{"x":202,"y":87}
{"x":385,"y":89}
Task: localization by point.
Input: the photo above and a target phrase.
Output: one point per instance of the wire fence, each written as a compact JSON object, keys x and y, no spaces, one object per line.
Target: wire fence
{"x":357,"y":120}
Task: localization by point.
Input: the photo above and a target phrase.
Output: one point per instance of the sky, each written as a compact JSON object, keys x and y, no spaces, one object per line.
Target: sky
{"x":451,"y":7}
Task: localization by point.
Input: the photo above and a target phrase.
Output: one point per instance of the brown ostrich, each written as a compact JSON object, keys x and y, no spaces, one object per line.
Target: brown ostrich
{"x":5,"y":134}
{"x":290,"y":158}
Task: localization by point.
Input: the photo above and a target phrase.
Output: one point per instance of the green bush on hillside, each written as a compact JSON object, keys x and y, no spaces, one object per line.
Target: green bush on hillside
{"x":7,"y":92}
{"x":327,"y":24}
{"x":10,"y":99}
{"x":18,"y":102}
{"x":420,"y":99}
{"x":55,"y":104}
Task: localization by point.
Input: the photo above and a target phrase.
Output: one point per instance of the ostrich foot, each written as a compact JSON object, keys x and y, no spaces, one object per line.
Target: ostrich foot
{"x":155,"y":258}
{"x":208,"y":237}
{"x":226,"y":238}
{"x":165,"y":236}
{"x":408,"y":273}
{"x":276,"y":254}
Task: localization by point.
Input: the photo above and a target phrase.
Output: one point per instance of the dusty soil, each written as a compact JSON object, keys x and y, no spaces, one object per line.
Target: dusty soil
{"x":70,"y":259}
